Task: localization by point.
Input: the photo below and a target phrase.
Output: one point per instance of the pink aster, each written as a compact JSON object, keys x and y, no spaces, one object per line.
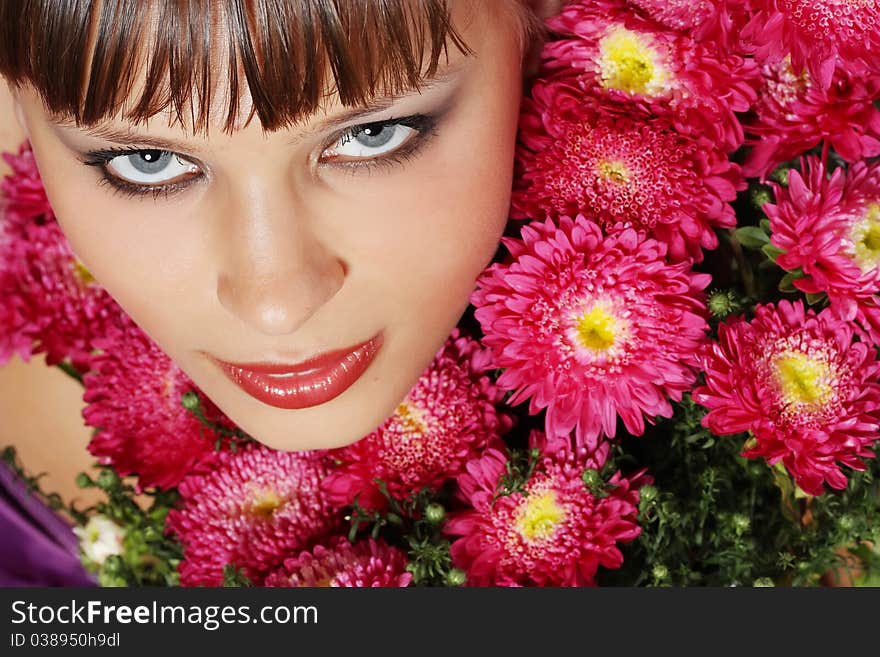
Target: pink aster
{"x":257,"y":508}
{"x":49,"y":302}
{"x":816,"y":34}
{"x":553,"y":532}
{"x":367,"y":563}
{"x":800,"y":384}
{"x":829,"y":229}
{"x":447,"y":418}
{"x":622,"y":57}
{"x":793,"y":115}
{"x":23,"y":196}
{"x":133,"y":395}
{"x":575,"y":156}
{"x":592,"y":327}
{"x":717,"y":21}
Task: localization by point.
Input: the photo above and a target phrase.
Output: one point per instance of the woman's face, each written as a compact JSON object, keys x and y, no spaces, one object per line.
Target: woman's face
{"x":275,"y":248}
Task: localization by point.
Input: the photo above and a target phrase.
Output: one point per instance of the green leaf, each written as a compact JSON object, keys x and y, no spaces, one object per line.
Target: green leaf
{"x":786,"y":284}
{"x":751,"y":237}
{"x":813,"y":299}
{"x":765,"y":225}
{"x":771,"y":252}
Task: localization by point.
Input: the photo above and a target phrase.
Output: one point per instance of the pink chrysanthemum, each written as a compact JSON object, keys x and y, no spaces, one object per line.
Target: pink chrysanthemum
{"x":816,"y":34}
{"x":23,"y":196}
{"x":257,"y":508}
{"x":554,"y":531}
{"x":582,"y":325}
{"x":368,"y":563}
{"x":622,"y":57}
{"x":133,"y":395}
{"x":829,"y":229}
{"x":447,"y":418}
{"x":793,"y":115}
{"x":804,"y":389}
{"x":716,"y":21}
{"x":49,"y":303}
{"x":627,"y":170}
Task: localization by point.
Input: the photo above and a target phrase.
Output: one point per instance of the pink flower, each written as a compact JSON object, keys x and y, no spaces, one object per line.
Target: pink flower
{"x":797,"y":381}
{"x":622,"y":57}
{"x":794,"y":115}
{"x":49,"y":302}
{"x":368,"y":563}
{"x":591,"y":327}
{"x":256,"y":509}
{"x":23,"y":197}
{"x":829,"y":229}
{"x":133,"y":395}
{"x":447,"y":418}
{"x":625,"y":170}
{"x":553,"y":531}
{"x":817,"y":34}
{"x":717,"y":21}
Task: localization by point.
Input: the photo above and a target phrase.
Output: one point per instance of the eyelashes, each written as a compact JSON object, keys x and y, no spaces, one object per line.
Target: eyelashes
{"x":421,"y":128}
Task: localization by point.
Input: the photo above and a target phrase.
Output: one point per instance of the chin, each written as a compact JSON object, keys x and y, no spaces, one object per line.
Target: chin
{"x":328,"y":430}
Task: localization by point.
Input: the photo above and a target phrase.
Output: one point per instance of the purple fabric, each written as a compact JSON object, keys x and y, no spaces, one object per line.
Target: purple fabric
{"x":37,"y":547}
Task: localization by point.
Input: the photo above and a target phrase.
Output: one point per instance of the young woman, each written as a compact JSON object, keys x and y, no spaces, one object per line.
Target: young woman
{"x":292,"y":198}
{"x":294,"y":202}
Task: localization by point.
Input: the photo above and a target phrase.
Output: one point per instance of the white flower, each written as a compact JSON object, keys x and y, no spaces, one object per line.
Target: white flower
{"x":100,"y":538}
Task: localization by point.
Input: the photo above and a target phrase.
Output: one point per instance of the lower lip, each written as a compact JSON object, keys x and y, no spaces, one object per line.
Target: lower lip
{"x":311,"y":388}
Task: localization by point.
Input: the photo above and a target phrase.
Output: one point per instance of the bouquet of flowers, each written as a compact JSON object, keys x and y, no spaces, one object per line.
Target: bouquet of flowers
{"x":670,"y":375}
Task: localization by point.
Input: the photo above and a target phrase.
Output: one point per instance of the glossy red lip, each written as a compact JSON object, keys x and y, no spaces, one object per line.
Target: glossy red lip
{"x":307,"y":383}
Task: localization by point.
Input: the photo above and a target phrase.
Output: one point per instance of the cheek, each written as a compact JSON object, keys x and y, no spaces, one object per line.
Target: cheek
{"x":123,"y":243}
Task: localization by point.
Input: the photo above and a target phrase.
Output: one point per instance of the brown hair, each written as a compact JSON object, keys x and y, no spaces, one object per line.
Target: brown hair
{"x":86,"y":57}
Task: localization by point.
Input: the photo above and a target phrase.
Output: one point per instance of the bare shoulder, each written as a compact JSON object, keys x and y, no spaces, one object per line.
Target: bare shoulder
{"x":11,"y":134}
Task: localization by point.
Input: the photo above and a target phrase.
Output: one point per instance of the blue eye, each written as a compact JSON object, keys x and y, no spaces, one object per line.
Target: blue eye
{"x":382,"y":141}
{"x":151,"y":167}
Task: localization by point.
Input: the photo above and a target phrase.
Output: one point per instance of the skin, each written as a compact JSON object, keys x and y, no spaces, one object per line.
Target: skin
{"x":276,"y":254}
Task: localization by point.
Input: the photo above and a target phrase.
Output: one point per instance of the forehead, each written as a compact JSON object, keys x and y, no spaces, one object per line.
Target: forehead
{"x":225,"y":63}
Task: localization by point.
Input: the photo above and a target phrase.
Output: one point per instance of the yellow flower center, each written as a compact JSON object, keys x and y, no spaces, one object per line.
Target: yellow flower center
{"x":81,"y":272}
{"x":628,"y":63}
{"x":866,"y":239}
{"x":597,"y":329}
{"x":613,"y":171}
{"x":804,"y":381}
{"x":410,"y":419}
{"x":539,"y":516}
{"x":265,"y":503}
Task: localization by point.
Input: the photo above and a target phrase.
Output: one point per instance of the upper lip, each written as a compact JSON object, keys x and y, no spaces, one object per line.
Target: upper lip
{"x":306,"y":366}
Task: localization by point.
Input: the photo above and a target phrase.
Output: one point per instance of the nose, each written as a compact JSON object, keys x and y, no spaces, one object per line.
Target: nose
{"x":276,"y":271}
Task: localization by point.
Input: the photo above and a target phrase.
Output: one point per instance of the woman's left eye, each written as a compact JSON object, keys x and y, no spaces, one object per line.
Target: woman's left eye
{"x":375,"y":141}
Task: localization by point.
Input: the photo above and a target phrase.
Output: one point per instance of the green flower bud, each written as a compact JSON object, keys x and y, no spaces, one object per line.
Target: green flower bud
{"x":190,"y":400}
{"x":763,"y":582}
{"x":780,"y":175}
{"x":455,"y":577}
{"x":659,"y":572}
{"x":722,"y":303}
{"x":741,"y":524}
{"x":84,"y":481}
{"x":107,"y":479}
{"x":592,"y":479}
{"x":846,"y":522}
{"x":648,"y":494}
{"x":435,"y":513}
{"x":760,"y":196}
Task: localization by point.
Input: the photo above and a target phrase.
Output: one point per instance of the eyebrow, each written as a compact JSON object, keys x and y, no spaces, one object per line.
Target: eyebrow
{"x":375,"y":106}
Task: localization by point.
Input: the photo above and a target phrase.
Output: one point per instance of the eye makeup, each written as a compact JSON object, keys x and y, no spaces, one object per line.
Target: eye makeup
{"x":423,"y":126}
